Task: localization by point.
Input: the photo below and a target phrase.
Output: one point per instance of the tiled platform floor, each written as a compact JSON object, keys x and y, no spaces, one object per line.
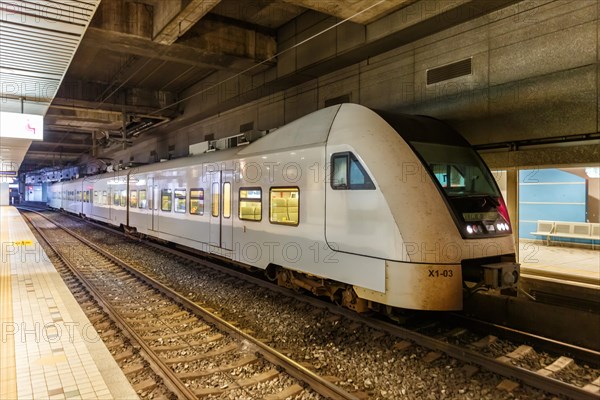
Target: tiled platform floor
{"x":566,"y":263}
{"x":48,"y":347}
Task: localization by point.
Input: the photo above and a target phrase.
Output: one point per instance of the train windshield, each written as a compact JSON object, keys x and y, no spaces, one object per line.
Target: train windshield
{"x":458,"y":169}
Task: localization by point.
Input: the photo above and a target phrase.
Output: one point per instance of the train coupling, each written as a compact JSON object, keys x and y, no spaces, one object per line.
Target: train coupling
{"x":502,"y":275}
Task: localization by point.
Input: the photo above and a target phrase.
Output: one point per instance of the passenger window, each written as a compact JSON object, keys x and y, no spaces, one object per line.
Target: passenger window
{"x":180,"y":198}
{"x":104,"y":198}
{"x":166,"y":200}
{"x":116,"y":198}
{"x":197,"y":201}
{"x":123,"y":198}
{"x":227,"y":200}
{"x":142,"y":202}
{"x":215,"y":199}
{"x":133,"y":198}
{"x":284,"y":206}
{"x":348,"y":174}
{"x":251,"y":204}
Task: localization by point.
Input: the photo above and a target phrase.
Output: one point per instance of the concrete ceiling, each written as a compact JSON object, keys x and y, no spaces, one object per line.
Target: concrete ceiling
{"x":37,"y":42}
{"x":138,"y":58}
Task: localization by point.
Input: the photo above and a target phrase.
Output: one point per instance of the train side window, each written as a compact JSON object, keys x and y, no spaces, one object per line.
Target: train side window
{"x":142,"y":202}
{"x":166,"y":200}
{"x":79,"y":195}
{"x":347,"y":173}
{"x":284,"y":205}
{"x":104,"y":198}
{"x":227,"y":200}
{"x":197,"y":201}
{"x":133,"y":198}
{"x":215,"y":199}
{"x":250,"y":204}
{"x":180,"y":197}
{"x":116,"y":198}
{"x":123,"y":198}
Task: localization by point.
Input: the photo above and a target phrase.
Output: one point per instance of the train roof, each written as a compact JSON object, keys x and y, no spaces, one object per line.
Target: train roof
{"x":311,"y":129}
{"x":305,"y":131}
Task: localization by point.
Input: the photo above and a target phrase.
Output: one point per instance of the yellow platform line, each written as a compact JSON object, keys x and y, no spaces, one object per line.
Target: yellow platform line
{"x":8,"y":367}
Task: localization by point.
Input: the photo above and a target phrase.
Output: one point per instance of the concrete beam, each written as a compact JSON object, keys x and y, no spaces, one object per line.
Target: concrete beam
{"x":172,"y":18}
{"x":50,"y":146}
{"x":80,"y":94}
{"x":214,"y":45}
{"x":44,"y":155}
{"x":554,"y":156}
{"x":346,"y":9}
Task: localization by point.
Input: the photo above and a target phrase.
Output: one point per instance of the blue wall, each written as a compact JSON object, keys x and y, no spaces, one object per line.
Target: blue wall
{"x":549,"y":194}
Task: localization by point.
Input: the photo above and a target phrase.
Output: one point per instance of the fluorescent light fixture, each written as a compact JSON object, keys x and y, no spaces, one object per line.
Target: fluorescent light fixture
{"x":593,"y":172}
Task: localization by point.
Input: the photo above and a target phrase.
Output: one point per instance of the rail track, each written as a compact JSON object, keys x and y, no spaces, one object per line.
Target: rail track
{"x":551,"y":366}
{"x":195,"y":352}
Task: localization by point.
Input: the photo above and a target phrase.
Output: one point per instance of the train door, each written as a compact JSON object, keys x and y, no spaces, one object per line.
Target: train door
{"x":150,"y":203}
{"x":110,"y":203}
{"x":221,"y":213}
{"x":153,"y":204}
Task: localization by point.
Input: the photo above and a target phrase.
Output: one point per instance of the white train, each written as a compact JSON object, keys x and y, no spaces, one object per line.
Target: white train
{"x":368,"y":209}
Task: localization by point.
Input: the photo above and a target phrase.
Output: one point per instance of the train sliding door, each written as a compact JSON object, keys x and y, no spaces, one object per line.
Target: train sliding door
{"x":221,"y":213}
{"x":150,"y":202}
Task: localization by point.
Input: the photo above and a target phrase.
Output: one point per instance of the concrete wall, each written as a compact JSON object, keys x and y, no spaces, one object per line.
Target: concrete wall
{"x":535,"y":75}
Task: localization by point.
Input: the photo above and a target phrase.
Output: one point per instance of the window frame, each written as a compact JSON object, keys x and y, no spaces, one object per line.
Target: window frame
{"x":240,"y":199}
{"x":350,"y":156}
{"x":215,"y":194}
{"x":124,"y":199}
{"x":184,"y":200}
{"x":229,"y":205}
{"x":171,"y":199}
{"x":140,"y":198}
{"x":131,"y":198}
{"x":270,"y":199}
{"x":196,"y":198}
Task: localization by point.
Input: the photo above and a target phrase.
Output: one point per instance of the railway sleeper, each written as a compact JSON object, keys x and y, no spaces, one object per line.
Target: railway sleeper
{"x":242,"y":383}
{"x":223,"y":368}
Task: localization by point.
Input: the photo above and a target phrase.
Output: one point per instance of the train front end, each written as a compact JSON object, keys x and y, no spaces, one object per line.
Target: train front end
{"x":473,"y":200}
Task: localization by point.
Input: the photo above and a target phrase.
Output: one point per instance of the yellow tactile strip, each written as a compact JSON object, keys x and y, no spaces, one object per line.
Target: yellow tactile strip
{"x":8,"y":372}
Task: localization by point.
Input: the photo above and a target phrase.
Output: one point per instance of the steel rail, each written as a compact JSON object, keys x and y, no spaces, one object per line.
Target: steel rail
{"x":159,"y":367}
{"x":531,"y":378}
{"x":294,"y":369}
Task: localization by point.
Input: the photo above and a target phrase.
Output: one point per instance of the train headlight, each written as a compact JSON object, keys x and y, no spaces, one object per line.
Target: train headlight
{"x":469,"y":229}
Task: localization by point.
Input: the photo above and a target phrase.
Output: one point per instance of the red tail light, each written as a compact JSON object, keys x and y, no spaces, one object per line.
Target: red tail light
{"x":503,"y":210}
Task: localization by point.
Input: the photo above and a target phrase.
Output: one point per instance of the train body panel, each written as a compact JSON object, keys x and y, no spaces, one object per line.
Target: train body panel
{"x":342,"y":196}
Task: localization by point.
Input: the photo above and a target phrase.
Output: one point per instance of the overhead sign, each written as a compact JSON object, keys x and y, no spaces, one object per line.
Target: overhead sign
{"x":21,"y":126}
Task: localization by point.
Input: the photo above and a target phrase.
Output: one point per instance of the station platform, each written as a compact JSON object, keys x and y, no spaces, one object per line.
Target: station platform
{"x":567,"y":264}
{"x":48,"y":347}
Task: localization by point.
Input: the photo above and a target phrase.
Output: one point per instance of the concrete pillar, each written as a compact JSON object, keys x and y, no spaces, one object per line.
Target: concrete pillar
{"x":512,"y":202}
{"x":4,"y":194}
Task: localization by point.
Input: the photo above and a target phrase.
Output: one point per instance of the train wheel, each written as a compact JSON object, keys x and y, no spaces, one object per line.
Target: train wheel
{"x":353,"y":302}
